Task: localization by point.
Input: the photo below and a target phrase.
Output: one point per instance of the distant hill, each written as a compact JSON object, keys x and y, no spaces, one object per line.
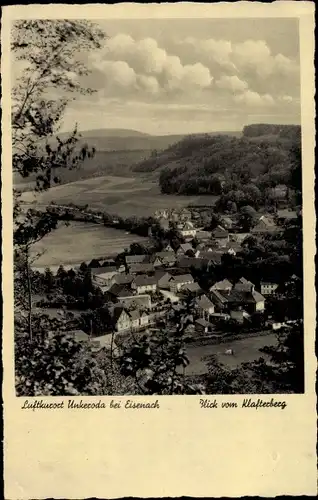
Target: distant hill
{"x":117,"y":153}
{"x":201,"y":164}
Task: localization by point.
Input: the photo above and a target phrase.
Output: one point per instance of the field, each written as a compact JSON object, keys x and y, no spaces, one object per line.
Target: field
{"x":125,"y":196}
{"x":78,"y":242}
{"x":245,"y":350}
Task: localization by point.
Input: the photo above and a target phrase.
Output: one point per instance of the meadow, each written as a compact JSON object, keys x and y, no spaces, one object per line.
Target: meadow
{"x":124,"y":196}
{"x":72,"y":244}
{"x":245,"y":350}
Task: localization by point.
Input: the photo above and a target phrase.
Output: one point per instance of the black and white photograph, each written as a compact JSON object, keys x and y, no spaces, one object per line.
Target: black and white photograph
{"x":157,"y":207}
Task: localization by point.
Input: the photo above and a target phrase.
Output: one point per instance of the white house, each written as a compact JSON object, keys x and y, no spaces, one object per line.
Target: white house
{"x":144,"y":283}
{"x":188,"y":230}
{"x":204,"y":306}
{"x":103,"y":276}
{"x":178,"y":282}
{"x":268,"y":287}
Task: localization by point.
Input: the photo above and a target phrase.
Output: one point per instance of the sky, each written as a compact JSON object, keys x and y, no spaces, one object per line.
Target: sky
{"x":180,"y":76}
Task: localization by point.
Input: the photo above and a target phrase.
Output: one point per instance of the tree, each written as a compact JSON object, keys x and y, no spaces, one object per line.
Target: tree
{"x":247,"y":218}
{"x":45,"y":66}
{"x":62,"y":366}
{"x":157,"y":363}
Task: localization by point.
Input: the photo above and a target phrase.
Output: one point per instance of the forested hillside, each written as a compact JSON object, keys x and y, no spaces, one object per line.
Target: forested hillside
{"x":258,"y":161}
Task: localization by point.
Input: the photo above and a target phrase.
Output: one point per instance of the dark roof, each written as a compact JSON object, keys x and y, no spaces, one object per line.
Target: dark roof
{"x":141,"y":268}
{"x":122,"y":279}
{"x":193,"y":287}
{"x":204,"y":302}
{"x":218,"y":295}
{"x":120,"y":290}
{"x":132,"y":259}
{"x":220,"y":232}
{"x":202,"y":322}
{"x":103,"y":270}
{"x":250,"y":297}
{"x":166,"y":256}
{"x":143,"y":280}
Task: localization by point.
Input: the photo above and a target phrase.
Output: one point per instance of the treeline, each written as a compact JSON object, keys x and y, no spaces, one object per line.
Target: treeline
{"x":215,"y":165}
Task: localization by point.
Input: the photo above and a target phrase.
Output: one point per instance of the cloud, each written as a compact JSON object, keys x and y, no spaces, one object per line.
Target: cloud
{"x":253,"y":99}
{"x":232,"y":83}
{"x":149,"y":66}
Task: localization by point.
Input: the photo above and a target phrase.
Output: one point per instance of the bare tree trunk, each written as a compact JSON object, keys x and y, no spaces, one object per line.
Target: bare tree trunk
{"x":29,"y":292}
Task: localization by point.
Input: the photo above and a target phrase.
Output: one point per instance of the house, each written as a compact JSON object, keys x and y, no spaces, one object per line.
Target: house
{"x":168,"y":248}
{"x":163,"y":278}
{"x":274,"y":325}
{"x":123,"y":279}
{"x":265,"y":224}
{"x":244,"y":297}
{"x":224,"y":285}
{"x":119,"y":290}
{"x":221,"y":236}
{"x":135,"y":259}
{"x":185,"y":214}
{"x":239,"y":315}
{"x":268,"y":287}
{"x":144,"y":283}
{"x":121,"y":319}
{"x":187,"y":230}
{"x":210,"y":257}
{"x":239,"y":237}
{"x":244,"y":285}
{"x":203,"y":235}
{"x":103,"y":276}
{"x":192,"y":288}
{"x":142,"y":302}
{"x":141,"y":268}
{"x":166,"y":258}
{"x":233,"y":248}
{"x":183,"y":248}
{"x":203,"y":326}
{"x":178,"y":282}
{"x":204,"y":306}
{"x":219,"y":299}
{"x":125,"y":320}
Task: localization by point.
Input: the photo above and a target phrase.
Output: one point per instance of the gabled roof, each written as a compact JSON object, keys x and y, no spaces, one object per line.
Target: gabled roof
{"x":137,"y":301}
{"x":220,"y":232}
{"x":123,"y":279}
{"x":141,"y":268}
{"x":144,"y":280}
{"x":193,"y":287}
{"x":121,"y":290}
{"x":202,"y":322}
{"x":217,"y":295}
{"x":222,"y":285}
{"x":132,"y":259}
{"x":203,"y":234}
{"x":242,"y":296}
{"x":185,"y":247}
{"x":204,"y":302}
{"x":118,"y":311}
{"x":96,"y":271}
{"x":182,"y":278}
{"x":166,"y":256}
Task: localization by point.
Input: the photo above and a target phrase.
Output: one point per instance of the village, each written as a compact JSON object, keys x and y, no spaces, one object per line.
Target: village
{"x":141,"y":290}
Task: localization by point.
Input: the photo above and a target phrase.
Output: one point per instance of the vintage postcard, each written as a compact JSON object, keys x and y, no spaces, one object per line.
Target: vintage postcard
{"x":158,"y":250}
